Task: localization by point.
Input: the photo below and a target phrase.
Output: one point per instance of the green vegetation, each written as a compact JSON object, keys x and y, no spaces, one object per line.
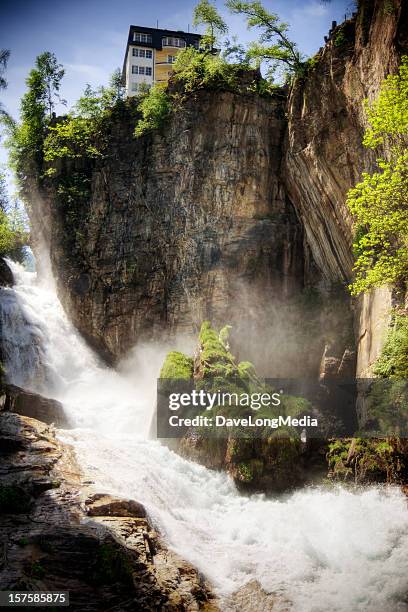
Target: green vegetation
{"x":205,"y":13}
{"x":393,"y":361}
{"x":155,"y":108}
{"x":388,"y":7}
{"x":379,"y":201}
{"x":13,"y":234}
{"x":368,"y":460}
{"x":177,"y":366}
{"x":254,"y":456}
{"x":273,"y":46}
{"x":26,"y":139}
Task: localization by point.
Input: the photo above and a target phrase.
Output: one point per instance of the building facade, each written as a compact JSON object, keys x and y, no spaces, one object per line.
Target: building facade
{"x":149,"y":56}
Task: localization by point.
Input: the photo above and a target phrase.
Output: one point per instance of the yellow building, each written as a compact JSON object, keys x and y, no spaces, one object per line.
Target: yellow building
{"x":149,"y":56}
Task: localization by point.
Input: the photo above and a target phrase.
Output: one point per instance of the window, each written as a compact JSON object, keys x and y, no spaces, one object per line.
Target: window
{"x":142,"y":53}
{"x":141,"y":70}
{"x":135,"y":52}
{"x":169,"y":41}
{"x":134,"y":70}
{"x":139,"y":37}
{"x":171,"y":59}
{"x":149,"y":53}
{"x":148,"y":71}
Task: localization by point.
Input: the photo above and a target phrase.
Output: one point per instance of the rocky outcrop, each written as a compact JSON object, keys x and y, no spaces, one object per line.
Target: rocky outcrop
{"x":58,"y":534}
{"x":32,"y":405}
{"x":183,"y":225}
{"x":324,"y":154}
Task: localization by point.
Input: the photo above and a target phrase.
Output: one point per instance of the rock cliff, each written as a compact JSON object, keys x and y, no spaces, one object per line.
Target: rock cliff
{"x":234,"y":209}
{"x":324,"y":155}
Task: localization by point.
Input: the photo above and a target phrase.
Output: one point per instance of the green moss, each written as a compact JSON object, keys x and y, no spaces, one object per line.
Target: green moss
{"x":177,"y":366}
{"x":14,"y":500}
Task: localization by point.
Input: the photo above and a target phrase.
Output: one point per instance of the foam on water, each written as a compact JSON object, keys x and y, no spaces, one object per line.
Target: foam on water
{"x":321,"y":548}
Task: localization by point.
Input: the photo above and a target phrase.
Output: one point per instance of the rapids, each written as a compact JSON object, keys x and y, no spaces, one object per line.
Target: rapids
{"x":325,"y":548}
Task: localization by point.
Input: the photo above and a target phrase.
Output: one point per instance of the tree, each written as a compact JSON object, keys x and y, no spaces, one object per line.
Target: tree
{"x":205,"y":13}
{"x":116,"y":84}
{"x":51,"y":74}
{"x":273,"y":45}
{"x":379,"y":203}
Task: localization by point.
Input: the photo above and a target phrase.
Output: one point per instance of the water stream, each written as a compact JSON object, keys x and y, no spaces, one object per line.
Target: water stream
{"x":321,"y":548}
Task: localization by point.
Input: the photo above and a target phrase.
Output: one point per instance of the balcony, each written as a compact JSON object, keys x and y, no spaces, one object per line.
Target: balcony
{"x":169,"y":41}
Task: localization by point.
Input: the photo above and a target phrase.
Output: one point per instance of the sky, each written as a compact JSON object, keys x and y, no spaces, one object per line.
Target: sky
{"x":89,"y":36}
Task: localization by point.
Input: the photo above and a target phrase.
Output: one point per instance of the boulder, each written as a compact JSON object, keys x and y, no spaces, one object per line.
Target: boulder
{"x":15,"y":399}
{"x":101,"y":504}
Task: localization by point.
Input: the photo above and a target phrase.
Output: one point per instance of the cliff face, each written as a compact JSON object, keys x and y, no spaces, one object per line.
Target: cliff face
{"x":189,"y":224}
{"x":230,"y":212}
{"x":324,"y":155}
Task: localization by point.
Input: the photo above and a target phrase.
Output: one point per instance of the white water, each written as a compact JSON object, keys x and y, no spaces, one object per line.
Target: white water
{"x":322,"y":549}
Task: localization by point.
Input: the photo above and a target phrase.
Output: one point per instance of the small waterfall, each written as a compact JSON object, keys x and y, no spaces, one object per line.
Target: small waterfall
{"x":21,"y":340}
{"x":320,"y":548}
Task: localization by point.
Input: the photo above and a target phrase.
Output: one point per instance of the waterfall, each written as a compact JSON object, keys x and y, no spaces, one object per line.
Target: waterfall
{"x":323,"y":548}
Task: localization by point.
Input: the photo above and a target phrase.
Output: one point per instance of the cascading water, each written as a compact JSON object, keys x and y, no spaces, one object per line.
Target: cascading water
{"x":321,"y":548}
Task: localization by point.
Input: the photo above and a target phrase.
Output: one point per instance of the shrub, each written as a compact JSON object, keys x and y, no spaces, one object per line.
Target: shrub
{"x":155,"y":108}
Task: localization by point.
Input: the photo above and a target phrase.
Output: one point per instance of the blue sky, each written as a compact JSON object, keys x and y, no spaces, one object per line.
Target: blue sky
{"x":89,"y":36}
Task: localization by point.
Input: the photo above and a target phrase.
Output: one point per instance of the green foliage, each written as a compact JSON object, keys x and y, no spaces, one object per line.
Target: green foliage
{"x":393,"y":361}
{"x":177,"y":366}
{"x":51,"y":74}
{"x":367,"y":460}
{"x":388,"y":7}
{"x":82,"y":133}
{"x":195,"y":70}
{"x":340,"y":39}
{"x":26,"y":138}
{"x":13,"y":234}
{"x":379,"y":201}
{"x":273,"y":46}
{"x":205,"y":13}
{"x":155,"y":109}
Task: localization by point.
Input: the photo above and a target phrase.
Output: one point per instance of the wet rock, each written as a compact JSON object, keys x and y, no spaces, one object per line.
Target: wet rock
{"x":253,"y":597}
{"x":106,"y":561}
{"x":33,"y":405}
{"x":6,"y":275}
{"x":102,"y":504}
